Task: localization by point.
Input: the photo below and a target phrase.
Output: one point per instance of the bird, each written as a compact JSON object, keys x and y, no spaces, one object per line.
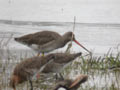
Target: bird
{"x":47,"y":41}
{"x":61,"y":61}
{"x":69,"y":84}
{"x":25,"y":70}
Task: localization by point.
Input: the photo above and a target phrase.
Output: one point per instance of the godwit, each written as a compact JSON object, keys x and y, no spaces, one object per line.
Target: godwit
{"x":69,"y":84}
{"x":60,"y":62}
{"x":46,"y":41}
{"x":26,"y":69}
{"x":52,"y":63}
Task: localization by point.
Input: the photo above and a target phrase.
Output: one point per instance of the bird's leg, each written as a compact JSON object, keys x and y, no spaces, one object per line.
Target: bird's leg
{"x":38,"y":75}
{"x":43,"y":54}
{"x":59,"y":76}
{"x":56,"y":76}
{"x":30,"y":81}
{"x":38,"y":54}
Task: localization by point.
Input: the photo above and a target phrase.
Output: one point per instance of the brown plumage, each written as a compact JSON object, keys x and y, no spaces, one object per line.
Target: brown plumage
{"x":60,"y":62}
{"x":69,"y":84}
{"x":52,"y":63}
{"x":26,"y":69}
{"x":39,"y":38}
{"x":46,"y":41}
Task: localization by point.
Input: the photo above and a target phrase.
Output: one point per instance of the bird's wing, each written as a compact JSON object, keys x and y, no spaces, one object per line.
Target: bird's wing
{"x":43,"y":37}
{"x":31,"y":71}
{"x":43,"y":67}
{"x":62,"y":58}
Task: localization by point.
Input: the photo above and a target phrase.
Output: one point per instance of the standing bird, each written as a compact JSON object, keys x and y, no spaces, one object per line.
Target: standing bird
{"x":68,"y":84}
{"x":49,"y":64}
{"x":46,"y":41}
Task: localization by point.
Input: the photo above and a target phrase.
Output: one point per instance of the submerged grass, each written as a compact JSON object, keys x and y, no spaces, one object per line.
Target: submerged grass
{"x":108,"y":61}
{"x":103,"y":71}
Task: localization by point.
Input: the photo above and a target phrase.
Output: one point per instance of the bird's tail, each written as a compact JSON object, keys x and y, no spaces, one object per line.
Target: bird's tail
{"x":13,"y":81}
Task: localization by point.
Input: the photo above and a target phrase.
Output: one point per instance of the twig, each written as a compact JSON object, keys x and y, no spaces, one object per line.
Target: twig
{"x":73,"y":28}
{"x":70,"y":44}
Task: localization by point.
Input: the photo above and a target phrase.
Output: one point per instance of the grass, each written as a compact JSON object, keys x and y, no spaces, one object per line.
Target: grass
{"x":103,"y":71}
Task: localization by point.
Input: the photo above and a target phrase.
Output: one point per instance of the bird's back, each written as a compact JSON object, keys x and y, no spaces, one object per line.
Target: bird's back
{"x":23,"y":68}
{"x":65,"y":57}
{"x":40,"y":38}
{"x":60,"y":61}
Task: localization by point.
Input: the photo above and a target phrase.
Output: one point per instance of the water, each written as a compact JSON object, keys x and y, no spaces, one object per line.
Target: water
{"x":61,"y":10}
{"x":98,"y":38}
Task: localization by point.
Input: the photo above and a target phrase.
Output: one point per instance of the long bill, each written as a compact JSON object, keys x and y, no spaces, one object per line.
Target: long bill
{"x":81,"y":46}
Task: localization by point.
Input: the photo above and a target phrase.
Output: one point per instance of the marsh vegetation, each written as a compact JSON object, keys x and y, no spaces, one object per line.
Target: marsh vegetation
{"x":103,"y":71}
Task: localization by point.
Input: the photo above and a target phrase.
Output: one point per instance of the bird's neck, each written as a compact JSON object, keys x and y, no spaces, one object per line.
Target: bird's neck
{"x":65,"y":39}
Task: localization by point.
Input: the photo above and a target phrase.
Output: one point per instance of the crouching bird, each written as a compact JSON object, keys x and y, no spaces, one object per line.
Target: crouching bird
{"x":69,"y":84}
{"x":52,"y":63}
{"x":25,"y":70}
{"x":61,"y":61}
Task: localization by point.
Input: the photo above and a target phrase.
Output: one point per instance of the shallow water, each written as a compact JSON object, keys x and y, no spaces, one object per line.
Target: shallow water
{"x":98,"y":38}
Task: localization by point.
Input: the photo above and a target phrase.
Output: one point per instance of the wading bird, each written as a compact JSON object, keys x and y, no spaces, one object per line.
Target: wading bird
{"x":26,"y":69}
{"x":52,"y":63}
{"x":61,"y":61}
{"x":46,"y":41}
